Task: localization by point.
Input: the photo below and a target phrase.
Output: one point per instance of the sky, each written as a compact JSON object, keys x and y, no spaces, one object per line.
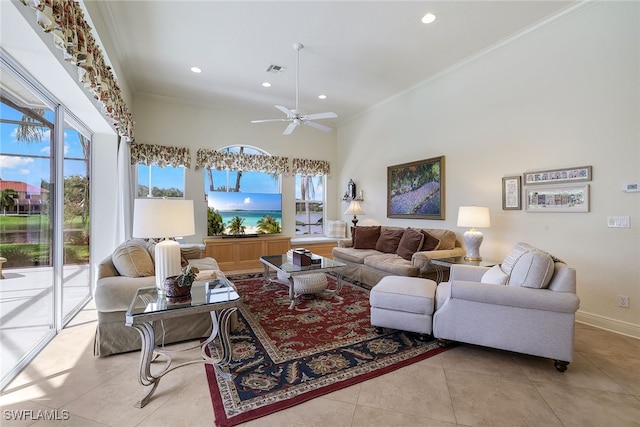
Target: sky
{"x":32,"y":169}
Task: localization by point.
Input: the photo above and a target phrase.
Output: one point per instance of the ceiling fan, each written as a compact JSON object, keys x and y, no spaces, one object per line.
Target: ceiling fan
{"x":295,"y":116}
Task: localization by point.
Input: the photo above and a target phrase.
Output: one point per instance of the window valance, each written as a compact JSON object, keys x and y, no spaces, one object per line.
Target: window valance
{"x":310,"y":167}
{"x":64,"y":19}
{"x":223,"y":160}
{"x":160,"y":155}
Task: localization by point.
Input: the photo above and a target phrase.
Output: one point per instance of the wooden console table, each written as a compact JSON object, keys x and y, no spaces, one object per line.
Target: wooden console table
{"x":243,"y":253}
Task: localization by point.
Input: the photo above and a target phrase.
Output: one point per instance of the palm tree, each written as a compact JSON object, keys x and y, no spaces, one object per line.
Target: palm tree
{"x":235,"y":226}
{"x":268,"y":225}
{"x":7,"y":199}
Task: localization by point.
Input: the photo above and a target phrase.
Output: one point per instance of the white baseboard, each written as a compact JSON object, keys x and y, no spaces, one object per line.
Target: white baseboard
{"x":617,"y":326}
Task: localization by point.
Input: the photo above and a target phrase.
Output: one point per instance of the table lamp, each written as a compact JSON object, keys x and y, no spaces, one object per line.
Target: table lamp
{"x":166,"y":219}
{"x":473,"y":216}
{"x":354,"y":209}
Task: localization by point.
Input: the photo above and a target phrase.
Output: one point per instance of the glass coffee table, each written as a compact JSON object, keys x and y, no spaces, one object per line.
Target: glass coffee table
{"x":216,"y":297}
{"x":285,"y":265}
{"x":440,"y":264}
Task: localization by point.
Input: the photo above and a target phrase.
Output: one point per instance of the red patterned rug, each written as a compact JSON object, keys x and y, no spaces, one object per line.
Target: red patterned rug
{"x":282,"y":357}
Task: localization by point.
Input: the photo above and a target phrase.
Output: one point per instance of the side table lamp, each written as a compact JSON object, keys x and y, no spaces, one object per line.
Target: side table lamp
{"x":354,"y":209}
{"x":164,"y":218}
{"x":473,"y":216}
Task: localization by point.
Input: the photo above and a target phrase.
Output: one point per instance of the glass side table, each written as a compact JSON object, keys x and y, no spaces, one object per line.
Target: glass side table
{"x":217,"y":297}
{"x":439,"y":264}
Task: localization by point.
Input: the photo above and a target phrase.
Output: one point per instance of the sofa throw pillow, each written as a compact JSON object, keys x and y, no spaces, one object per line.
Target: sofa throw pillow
{"x":447,"y":238}
{"x":430,"y":243}
{"x":389,"y":240}
{"x":335,"y":229}
{"x":495,"y":276}
{"x":532,"y":270}
{"x":132,"y":259}
{"x":410,"y":243}
{"x":365,"y":237}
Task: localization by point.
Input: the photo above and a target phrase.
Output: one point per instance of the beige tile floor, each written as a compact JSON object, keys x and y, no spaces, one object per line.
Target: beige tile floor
{"x":464,"y":386}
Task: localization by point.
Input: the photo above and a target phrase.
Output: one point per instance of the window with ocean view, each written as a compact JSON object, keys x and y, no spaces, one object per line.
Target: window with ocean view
{"x":243,"y":202}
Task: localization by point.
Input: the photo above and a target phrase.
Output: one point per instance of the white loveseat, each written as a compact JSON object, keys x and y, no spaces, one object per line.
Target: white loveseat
{"x":526,"y":305}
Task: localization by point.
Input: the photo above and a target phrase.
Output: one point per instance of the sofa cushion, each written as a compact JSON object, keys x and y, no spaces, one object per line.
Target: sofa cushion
{"x":410,"y":243}
{"x":132,"y":259}
{"x":447,"y":238}
{"x":429,"y":243}
{"x":528,"y":267}
{"x":366,"y":237}
{"x":393,"y":264}
{"x":336,"y":229}
{"x":356,"y":256}
{"x":389,"y":240}
{"x":495,"y":276}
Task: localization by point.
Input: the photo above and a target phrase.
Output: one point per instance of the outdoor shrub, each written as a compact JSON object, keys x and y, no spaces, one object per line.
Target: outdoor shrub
{"x":16,"y":257}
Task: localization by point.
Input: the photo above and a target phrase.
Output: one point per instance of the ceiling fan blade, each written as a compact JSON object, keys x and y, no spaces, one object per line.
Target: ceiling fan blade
{"x":290,"y":128}
{"x":318,"y":126}
{"x":316,"y":116}
{"x":290,"y":114}
{"x":269,"y":120}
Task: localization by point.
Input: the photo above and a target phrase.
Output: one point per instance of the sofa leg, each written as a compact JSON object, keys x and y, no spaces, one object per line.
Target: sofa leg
{"x":379,"y":330}
{"x":443,"y":343}
{"x":560,"y":365}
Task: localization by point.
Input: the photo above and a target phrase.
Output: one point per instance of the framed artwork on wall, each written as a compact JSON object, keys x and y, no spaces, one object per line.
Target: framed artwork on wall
{"x":556,"y":176}
{"x":416,"y":189}
{"x":558,"y":199}
{"x":511,"y":193}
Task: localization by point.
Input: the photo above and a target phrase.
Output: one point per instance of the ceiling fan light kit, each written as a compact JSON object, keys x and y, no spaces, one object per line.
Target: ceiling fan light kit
{"x":295,"y":116}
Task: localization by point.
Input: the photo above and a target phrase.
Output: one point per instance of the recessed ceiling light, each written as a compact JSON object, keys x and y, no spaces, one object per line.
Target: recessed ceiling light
{"x":196,"y":70}
{"x":428,"y":18}
{"x":322,"y":96}
{"x":266,"y":84}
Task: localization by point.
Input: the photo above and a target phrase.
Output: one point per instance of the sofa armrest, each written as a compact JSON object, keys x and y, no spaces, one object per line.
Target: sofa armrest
{"x":115,"y":293}
{"x":422,"y":259}
{"x":469,"y":273}
{"x":512,"y":296}
{"x":345,"y":243}
{"x":107,"y":269}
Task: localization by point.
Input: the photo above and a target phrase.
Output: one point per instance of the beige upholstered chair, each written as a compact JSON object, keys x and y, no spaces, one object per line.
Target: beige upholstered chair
{"x":526,"y":305}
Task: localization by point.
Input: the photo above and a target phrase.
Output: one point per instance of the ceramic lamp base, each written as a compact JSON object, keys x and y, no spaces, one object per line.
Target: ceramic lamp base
{"x":167,"y":254}
{"x":472,"y":240}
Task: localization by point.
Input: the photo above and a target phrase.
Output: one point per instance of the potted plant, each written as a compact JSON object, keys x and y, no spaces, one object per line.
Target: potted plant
{"x":178,"y":288}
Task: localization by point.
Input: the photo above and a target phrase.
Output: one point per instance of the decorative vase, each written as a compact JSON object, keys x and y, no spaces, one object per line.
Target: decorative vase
{"x":176,"y":293}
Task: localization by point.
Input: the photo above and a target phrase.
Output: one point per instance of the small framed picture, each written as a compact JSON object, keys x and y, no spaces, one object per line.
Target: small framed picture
{"x":511,"y":193}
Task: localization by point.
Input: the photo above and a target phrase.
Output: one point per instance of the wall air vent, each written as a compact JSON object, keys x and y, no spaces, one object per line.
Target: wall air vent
{"x":276,"y":69}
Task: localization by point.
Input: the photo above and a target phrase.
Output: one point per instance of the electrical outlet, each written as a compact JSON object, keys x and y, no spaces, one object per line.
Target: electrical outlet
{"x":623,"y":301}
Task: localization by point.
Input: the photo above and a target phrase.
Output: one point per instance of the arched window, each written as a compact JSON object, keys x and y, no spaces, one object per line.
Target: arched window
{"x":242,"y":201}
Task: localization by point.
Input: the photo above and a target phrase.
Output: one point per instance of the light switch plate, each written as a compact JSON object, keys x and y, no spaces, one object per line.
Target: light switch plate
{"x":618,"y":222}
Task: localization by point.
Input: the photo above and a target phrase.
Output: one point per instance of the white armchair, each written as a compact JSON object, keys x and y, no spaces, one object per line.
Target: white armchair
{"x":526,"y":305}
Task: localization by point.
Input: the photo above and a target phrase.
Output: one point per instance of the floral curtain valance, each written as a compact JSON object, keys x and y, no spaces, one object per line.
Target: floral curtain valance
{"x":224,"y":160}
{"x":64,"y":19}
{"x":160,"y":155}
{"x":310,"y":167}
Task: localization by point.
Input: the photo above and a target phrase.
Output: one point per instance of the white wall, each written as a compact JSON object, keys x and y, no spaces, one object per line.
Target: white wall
{"x":566,"y":95}
{"x":169,"y":123}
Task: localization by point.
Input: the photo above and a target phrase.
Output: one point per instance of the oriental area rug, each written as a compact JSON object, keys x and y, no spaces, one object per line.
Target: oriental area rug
{"x":282,"y":357}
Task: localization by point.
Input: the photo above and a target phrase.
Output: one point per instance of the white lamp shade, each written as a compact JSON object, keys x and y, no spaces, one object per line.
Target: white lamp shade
{"x":161,"y":218}
{"x":474,"y":217}
{"x":354,"y":208}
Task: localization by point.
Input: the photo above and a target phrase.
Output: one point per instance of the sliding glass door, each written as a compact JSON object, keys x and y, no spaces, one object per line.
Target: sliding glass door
{"x":44,"y":218}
